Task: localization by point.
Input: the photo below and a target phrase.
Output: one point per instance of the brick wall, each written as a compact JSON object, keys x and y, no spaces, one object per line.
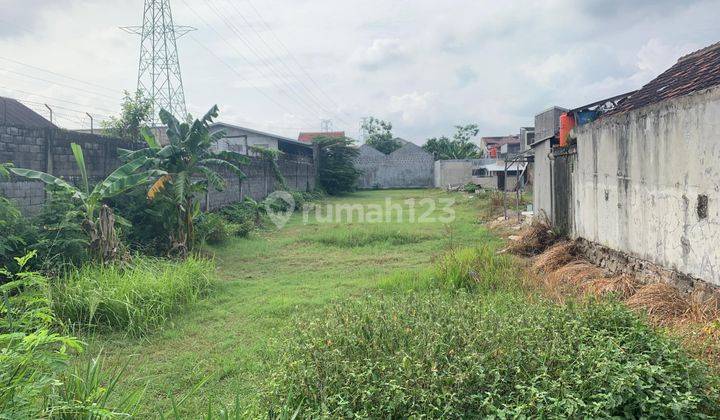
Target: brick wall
{"x":48,"y":150}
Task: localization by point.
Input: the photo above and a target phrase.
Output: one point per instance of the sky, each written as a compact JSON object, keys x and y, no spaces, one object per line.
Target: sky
{"x":284,"y":65}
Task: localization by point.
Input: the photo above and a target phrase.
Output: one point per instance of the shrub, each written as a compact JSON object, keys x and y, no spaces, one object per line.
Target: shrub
{"x":135,"y":299}
{"x":355,"y":238}
{"x":212,"y":228}
{"x":149,"y":228}
{"x":475,"y":268}
{"x":459,"y":356}
{"x":15,"y":233}
{"x":337,"y":168}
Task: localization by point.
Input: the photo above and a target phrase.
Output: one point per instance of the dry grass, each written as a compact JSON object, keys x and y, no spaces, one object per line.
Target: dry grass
{"x":662,"y":302}
{"x":534,"y":239}
{"x":570,"y":279}
{"x":622,"y":286}
{"x":556,"y":256}
{"x":704,"y":306}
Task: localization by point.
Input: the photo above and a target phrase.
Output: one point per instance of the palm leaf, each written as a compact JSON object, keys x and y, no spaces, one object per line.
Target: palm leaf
{"x":47,"y":179}
{"x":123,"y":184}
{"x":174,"y":132}
{"x":180,"y":184}
{"x":233,"y":157}
{"x":217,"y":136}
{"x":5,"y":170}
{"x":118,"y":174}
{"x":158,"y":186}
{"x":150,"y":138}
{"x":80,"y":160}
{"x":224,"y":164}
{"x":215,"y":180}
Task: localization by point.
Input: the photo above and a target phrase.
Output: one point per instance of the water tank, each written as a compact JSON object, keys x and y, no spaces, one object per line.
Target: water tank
{"x":567,"y":123}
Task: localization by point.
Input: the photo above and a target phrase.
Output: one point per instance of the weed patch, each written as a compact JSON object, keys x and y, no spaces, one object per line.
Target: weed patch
{"x":135,"y":299}
{"x":462,"y":356}
{"x":356,"y":238}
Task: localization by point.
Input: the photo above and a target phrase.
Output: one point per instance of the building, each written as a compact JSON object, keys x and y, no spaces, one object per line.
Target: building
{"x":407,"y":167}
{"x":242,"y":140}
{"x":642,"y":178}
{"x":527,"y":138}
{"x":13,"y":113}
{"x":308,"y":137}
{"x":496,"y":147}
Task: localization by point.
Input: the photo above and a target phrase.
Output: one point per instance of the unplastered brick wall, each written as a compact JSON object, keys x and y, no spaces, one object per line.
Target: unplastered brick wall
{"x":48,"y":150}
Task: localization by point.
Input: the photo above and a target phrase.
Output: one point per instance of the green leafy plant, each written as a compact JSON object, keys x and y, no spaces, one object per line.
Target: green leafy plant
{"x":189,"y":164}
{"x":337,"y":165}
{"x":98,"y":218}
{"x":16,"y":233}
{"x":459,"y":147}
{"x":271,"y":157}
{"x":136,"y":113}
{"x":379,"y":135}
{"x":212,"y":228}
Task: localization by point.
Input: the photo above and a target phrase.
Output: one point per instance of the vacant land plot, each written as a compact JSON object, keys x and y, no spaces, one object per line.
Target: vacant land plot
{"x":407,"y":316}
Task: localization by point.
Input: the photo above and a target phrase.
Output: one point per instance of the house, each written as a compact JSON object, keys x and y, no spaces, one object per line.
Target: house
{"x":242,"y":140}
{"x":13,"y":113}
{"x":527,"y":137}
{"x":641,"y":178}
{"x":308,"y":137}
{"x":496,"y":147}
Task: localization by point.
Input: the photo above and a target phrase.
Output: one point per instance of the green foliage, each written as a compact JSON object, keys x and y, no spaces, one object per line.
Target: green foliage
{"x":32,"y":355}
{"x":189,"y":164}
{"x":60,"y":240}
{"x":212,"y":228}
{"x":136,"y":113}
{"x":379,"y":135}
{"x":136,"y":298}
{"x":459,"y":147}
{"x":457,"y":355}
{"x":99,"y":225}
{"x":337,"y":169}
{"x":15,"y":234}
{"x":148,"y":229}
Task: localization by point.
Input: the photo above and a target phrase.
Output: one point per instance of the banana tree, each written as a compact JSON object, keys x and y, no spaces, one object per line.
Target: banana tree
{"x":190,"y":164}
{"x":98,"y":218}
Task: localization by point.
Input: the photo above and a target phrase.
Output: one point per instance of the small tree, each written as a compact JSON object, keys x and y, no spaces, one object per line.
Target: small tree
{"x":136,"y":114}
{"x":189,"y":165}
{"x":337,"y":164}
{"x":98,"y":218}
{"x":460,"y":147}
{"x":379,"y":135}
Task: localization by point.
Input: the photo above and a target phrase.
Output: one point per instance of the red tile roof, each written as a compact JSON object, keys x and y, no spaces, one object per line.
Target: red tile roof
{"x":693,"y":72}
{"x":309,"y":137}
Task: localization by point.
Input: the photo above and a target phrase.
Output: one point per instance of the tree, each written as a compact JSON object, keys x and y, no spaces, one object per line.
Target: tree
{"x":337,"y":164}
{"x":189,"y":165}
{"x":98,"y":220}
{"x":136,"y":113}
{"x":379,"y":135}
{"x":460,"y":147}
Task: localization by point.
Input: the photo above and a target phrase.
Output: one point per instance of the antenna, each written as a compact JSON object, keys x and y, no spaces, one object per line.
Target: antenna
{"x":159,"y":65}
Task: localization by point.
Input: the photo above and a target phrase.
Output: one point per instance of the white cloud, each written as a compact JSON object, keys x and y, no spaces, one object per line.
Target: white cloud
{"x":413,"y":107}
{"x":380,"y":53}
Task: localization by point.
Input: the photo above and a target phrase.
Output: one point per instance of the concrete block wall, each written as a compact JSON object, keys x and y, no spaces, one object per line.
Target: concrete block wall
{"x":48,"y":150}
{"x":408,"y":167}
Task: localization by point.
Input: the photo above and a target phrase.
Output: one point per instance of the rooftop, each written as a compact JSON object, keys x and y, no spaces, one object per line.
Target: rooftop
{"x":693,"y":72}
{"x":500,"y":140}
{"x":308,"y":137}
{"x":13,"y":112}
{"x":262,"y":133}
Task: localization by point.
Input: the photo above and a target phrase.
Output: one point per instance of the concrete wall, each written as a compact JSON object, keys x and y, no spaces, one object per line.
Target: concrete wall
{"x":48,"y":150}
{"x":547,"y":123}
{"x":408,"y":167}
{"x":646,"y":183}
{"x":453,"y":173}
{"x":542,"y":183}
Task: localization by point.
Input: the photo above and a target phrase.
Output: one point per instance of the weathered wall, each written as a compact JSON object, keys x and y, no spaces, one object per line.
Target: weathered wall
{"x":542,"y":183}
{"x":453,"y":173}
{"x":408,"y":167}
{"x":48,"y":150}
{"x":647,"y":183}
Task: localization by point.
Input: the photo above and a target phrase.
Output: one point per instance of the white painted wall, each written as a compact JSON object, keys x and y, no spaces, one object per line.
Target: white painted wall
{"x":542,"y":184}
{"x":638,"y":179}
{"x":234,"y":143}
{"x":453,"y":173}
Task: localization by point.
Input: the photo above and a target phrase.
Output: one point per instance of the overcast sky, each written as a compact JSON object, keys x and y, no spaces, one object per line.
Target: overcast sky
{"x":424,"y":65}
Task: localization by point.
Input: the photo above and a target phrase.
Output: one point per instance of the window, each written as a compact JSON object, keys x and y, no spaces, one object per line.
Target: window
{"x":529,"y":138}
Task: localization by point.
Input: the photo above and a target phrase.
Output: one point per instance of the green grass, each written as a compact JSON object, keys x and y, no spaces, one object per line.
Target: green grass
{"x":400,"y":318}
{"x":136,"y":298}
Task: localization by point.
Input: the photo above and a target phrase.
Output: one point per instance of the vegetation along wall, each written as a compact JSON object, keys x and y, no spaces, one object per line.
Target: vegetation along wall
{"x":48,"y":150}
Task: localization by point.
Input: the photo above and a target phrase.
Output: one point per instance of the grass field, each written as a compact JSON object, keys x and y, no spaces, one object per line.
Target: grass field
{"x":232,"y":339}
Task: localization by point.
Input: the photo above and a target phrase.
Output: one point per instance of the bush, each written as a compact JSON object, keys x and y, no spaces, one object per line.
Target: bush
{"x":212,"y":228}
{"x":456,"y":355}
{"x":16,"y":233}
{"x":337,"y":168}
{"x":355,"y":238}
{"x":135,"y":299}
{"x":150,"y":224}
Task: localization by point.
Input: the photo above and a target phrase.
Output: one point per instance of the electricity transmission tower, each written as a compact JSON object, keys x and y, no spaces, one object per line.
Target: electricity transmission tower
{"x":159,"y":68}
{"x":326,"y":126}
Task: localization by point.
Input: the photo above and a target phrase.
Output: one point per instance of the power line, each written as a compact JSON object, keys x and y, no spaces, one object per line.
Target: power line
{"x":296,"y":97}
{"x":316,"y":100}
{"x":58,"y":84}
{"x":58,"y":74}
{"x":61,"y":107}
{"x":55,"y":99}
{"x":289,"y":52}
{"x":233,"y":69}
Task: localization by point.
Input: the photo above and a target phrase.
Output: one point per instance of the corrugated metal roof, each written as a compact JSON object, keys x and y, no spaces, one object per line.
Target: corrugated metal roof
{"x":14,"y":113}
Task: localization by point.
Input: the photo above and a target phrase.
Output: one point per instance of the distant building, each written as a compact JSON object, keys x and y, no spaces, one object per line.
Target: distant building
{"x":242,"y":140}
{"x":527,"y":137}
{"x":13,"y":113}
{"x":493,"y":146}
{"x":309,"y":137}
